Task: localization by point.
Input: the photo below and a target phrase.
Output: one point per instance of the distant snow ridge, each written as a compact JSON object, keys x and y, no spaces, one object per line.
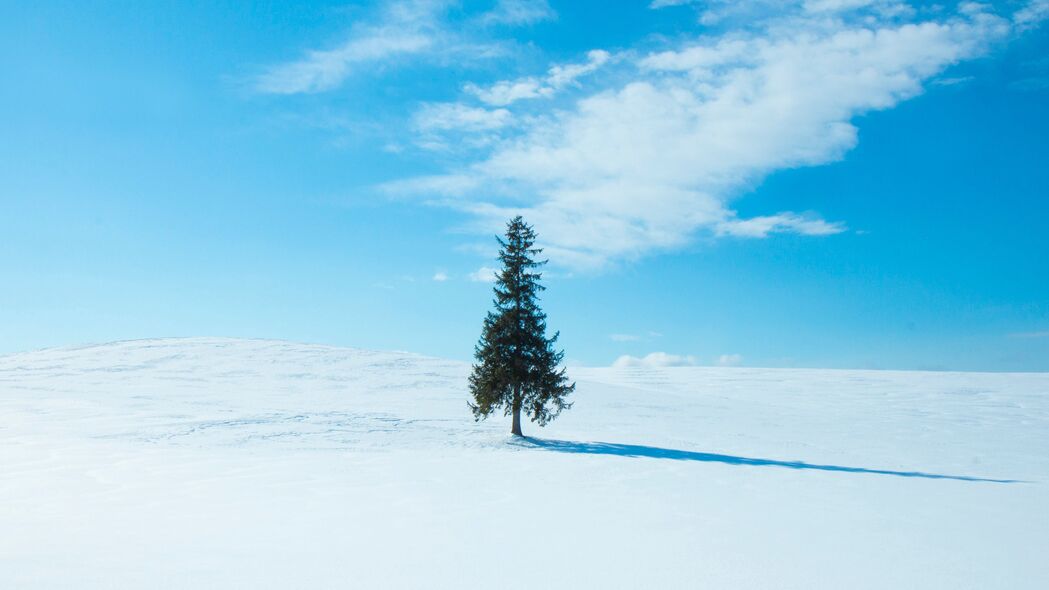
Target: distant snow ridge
{"x":205,"y":391}
{"x":214,"y":462}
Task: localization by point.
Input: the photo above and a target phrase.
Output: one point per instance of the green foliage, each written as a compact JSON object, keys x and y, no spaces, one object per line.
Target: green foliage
{"x":517,"y":365}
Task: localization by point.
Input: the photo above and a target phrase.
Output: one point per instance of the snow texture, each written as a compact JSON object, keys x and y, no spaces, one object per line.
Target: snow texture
{"x":220,"y":463}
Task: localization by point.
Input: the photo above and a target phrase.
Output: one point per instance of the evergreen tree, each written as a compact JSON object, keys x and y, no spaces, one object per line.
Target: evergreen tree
{"x":517,"y":365}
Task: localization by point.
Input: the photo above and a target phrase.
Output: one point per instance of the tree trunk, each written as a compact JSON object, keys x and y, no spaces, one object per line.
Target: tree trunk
{"x":516,"y":429}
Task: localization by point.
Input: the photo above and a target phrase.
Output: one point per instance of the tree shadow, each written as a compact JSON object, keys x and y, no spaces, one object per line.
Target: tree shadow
{"x":621,"y":450}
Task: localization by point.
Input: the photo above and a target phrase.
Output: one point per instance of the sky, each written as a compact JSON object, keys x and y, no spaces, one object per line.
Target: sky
{"x":816,"y":183}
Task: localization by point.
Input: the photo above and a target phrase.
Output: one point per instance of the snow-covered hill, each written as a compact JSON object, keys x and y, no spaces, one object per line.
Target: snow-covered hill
{"x":219,"y":463}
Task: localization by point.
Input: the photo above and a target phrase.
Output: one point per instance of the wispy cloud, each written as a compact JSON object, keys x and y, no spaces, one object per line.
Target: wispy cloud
{"x":440,"y":276}
{"x":450,"y":125}
{"x":953,"y":81}
{"x":1032,"y":14}
{"x":398,"y":30}
{"x":324,"y":70}
{"x":401,"y":28}
{"x":559,"y":76}
{"x":712,"y":12}
{"x":519,"y":12}
{"x":665,"y":3}
{"x":485,"y":274}
{"x":655,"y":153}
{"x":459,"y":117}
{"x":760,"y":227}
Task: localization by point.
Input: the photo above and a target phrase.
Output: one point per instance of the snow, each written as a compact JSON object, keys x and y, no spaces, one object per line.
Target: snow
{"x":221,"y":463}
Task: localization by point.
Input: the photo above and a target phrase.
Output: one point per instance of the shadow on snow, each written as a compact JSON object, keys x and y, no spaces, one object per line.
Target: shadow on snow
{"x":621,"y":450}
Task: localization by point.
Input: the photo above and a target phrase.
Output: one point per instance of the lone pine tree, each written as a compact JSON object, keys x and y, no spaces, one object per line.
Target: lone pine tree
{"x":517,"y":365}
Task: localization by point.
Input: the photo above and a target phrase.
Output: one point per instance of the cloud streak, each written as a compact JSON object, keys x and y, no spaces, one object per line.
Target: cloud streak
{"x":399,"y":30}
{"x":559,"y":76}
{"x":324,"y":70}
{"x":519,"y":12}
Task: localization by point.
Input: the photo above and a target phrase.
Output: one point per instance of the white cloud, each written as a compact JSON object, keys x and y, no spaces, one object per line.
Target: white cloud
{"x":1032,"y":14}
{"x":665,"y":3}
{"x":730,"y":360}
{"x":402,"y":28}
{"x":508,"y":91}
{"x":953,"y":81}
{"x":699,"y":58}
{"x":324,"y":70}
{"x":440,"y":276}
{"x":443,"y":126}
{"x":714,"y":12}
{"x":663,"y":359}
{"x":642,"y":165}
{"x":519,"y":12}
{"x":484,"y":274}
{"x":558,"y":76}
{"x":841,"y":5}
{"x":562,"y":75}
{"x":653,"y":360}
{"x":454,"y":116}
{"x":760,"y":227}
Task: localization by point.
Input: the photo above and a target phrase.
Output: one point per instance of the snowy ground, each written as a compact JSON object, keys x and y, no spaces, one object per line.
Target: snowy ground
{"x":215,"y":463}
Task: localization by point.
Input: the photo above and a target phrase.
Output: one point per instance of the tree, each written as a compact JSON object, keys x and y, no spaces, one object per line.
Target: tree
{"x":517,"y":365}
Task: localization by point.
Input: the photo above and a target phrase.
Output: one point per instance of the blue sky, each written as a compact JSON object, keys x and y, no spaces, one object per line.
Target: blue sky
{"x":832,"y":183}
